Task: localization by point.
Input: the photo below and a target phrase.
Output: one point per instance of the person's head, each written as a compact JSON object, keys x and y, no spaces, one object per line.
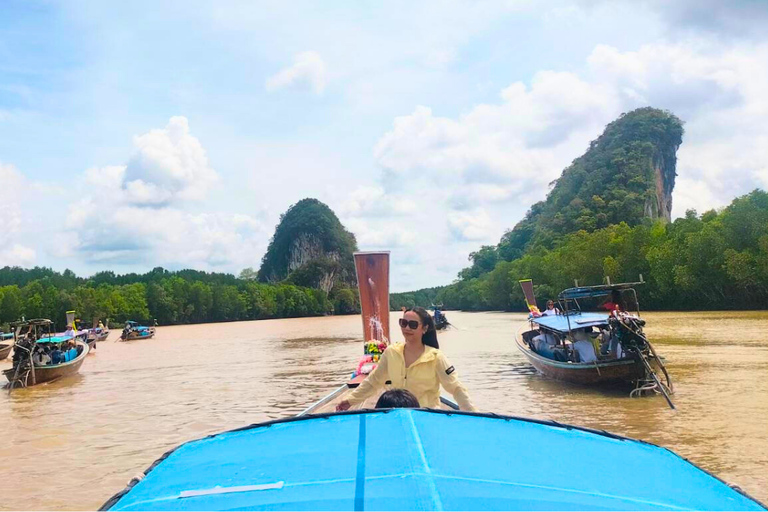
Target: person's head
{"x":417,"y":325}
{"x":396,"y":399}
{"x":550,"y":304}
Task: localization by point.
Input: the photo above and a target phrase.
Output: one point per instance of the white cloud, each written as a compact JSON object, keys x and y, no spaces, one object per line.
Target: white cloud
{"x":372,"y":234}
{"x":15,"y":194}
{"x":141,"y":213}
{"x":372,"y":201}
{"x":169,"y":165}
{"x":474,"y":225}
{"x":308,"y":69}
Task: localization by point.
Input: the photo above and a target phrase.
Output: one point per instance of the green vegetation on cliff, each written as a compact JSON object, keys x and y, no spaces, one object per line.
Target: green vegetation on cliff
{"x":309,"y":243}
{"x":626,"y":175}
{"x":311,"y":248}
{"x":608,"y":215}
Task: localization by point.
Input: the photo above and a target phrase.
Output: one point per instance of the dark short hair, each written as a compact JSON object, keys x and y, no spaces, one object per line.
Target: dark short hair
{"x":397,"y":398}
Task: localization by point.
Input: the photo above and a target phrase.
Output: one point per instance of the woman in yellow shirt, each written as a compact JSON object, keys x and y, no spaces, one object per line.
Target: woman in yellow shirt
{"x":416,"y":365}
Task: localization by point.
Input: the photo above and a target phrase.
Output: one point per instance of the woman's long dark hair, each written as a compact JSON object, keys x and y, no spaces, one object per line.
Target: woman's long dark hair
{"x":430,"y":337}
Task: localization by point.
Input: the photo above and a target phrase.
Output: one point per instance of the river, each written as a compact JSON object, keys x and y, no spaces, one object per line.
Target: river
{"x":73,"y":443}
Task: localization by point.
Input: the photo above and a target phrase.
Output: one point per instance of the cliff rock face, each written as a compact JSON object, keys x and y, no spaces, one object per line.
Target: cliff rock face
{"x":660,"y":206}
{"x":310,"y":247}
{"x":626,"y":175}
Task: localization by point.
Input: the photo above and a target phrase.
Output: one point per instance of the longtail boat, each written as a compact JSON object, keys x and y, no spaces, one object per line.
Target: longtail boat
{"x":36,"y":337}
{"x":565,"y":345}
{"x":134,"y":331}
{"x":419,"y":459}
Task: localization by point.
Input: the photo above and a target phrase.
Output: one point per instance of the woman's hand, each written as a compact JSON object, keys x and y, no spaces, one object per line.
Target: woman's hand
{"x":343,"y":406}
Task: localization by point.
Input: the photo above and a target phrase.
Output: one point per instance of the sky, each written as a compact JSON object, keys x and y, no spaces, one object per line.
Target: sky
{"x":174,"y":133}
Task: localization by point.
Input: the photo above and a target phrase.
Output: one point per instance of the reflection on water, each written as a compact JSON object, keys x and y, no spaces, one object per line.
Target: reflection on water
{"x":71,"y":444}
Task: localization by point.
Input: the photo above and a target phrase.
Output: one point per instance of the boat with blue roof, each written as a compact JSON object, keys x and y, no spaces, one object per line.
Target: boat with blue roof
{"x":570,"y":344}
{"x":40,"y":355}
{"x":134,"y":331}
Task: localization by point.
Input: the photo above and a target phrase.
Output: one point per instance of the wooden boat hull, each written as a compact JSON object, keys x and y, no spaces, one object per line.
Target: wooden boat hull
{"x":5,"y":350}
{"x":625,"y":371}
{"x":51,"y":373}
{"x":136,"y":335}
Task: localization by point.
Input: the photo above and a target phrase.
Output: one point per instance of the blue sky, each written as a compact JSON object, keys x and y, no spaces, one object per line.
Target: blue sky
{"x":138,"y":134}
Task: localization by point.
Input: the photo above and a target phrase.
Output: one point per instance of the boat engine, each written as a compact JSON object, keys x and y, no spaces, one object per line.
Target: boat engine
{"x":629,"y":331}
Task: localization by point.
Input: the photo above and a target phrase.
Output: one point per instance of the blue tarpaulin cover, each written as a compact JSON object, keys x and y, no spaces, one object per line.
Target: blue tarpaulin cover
{"x":407,"y":459}
{"x":577,"y":321}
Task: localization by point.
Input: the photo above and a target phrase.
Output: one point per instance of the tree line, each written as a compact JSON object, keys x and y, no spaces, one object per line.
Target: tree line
{"x":185,"y":296}
{"x":717,"y":260}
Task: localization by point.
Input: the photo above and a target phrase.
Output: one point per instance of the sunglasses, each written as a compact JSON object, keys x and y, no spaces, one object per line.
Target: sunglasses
{"x":413,"y":324}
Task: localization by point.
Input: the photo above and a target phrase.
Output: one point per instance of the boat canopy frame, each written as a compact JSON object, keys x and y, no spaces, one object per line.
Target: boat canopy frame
{"x":570,"y":296}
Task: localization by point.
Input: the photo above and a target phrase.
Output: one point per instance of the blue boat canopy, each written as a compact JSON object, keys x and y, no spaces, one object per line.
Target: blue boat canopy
{"x":54,"y":339}
{"x":406,"y":459}
{"x":559,"y":323}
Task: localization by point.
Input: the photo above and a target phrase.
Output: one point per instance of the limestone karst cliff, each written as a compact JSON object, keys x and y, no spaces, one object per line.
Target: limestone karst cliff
{"x":310,"y":247}
{"x":626,"y":175}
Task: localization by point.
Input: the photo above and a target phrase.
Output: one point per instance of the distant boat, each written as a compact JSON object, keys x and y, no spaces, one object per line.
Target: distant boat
{"x":96,"y":334}
{"x":549,"y":342}
{"x":441,"y":321}
{"x":36,"y":336}
{"x":134,"y":331}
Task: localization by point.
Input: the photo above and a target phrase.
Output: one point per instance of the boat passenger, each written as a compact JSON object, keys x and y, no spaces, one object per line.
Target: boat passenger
{"x":72,"y":353}
{"x":45,"y":357}
{"x":614,"y":303}
{"x":416,"y":365}
{"x":551,"y":309}
{"x":582,"y":345}
{"x":56,"y":356}
{"x":544,"y":341}
{"x":397,"y":399}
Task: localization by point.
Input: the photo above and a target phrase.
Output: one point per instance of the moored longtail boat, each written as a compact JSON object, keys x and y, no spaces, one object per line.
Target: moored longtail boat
{"x":549,"y":342}
{"x":24,"y":371}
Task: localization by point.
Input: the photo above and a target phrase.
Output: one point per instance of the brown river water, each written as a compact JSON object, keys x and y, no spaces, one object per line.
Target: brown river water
{"x":73,"y":443}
